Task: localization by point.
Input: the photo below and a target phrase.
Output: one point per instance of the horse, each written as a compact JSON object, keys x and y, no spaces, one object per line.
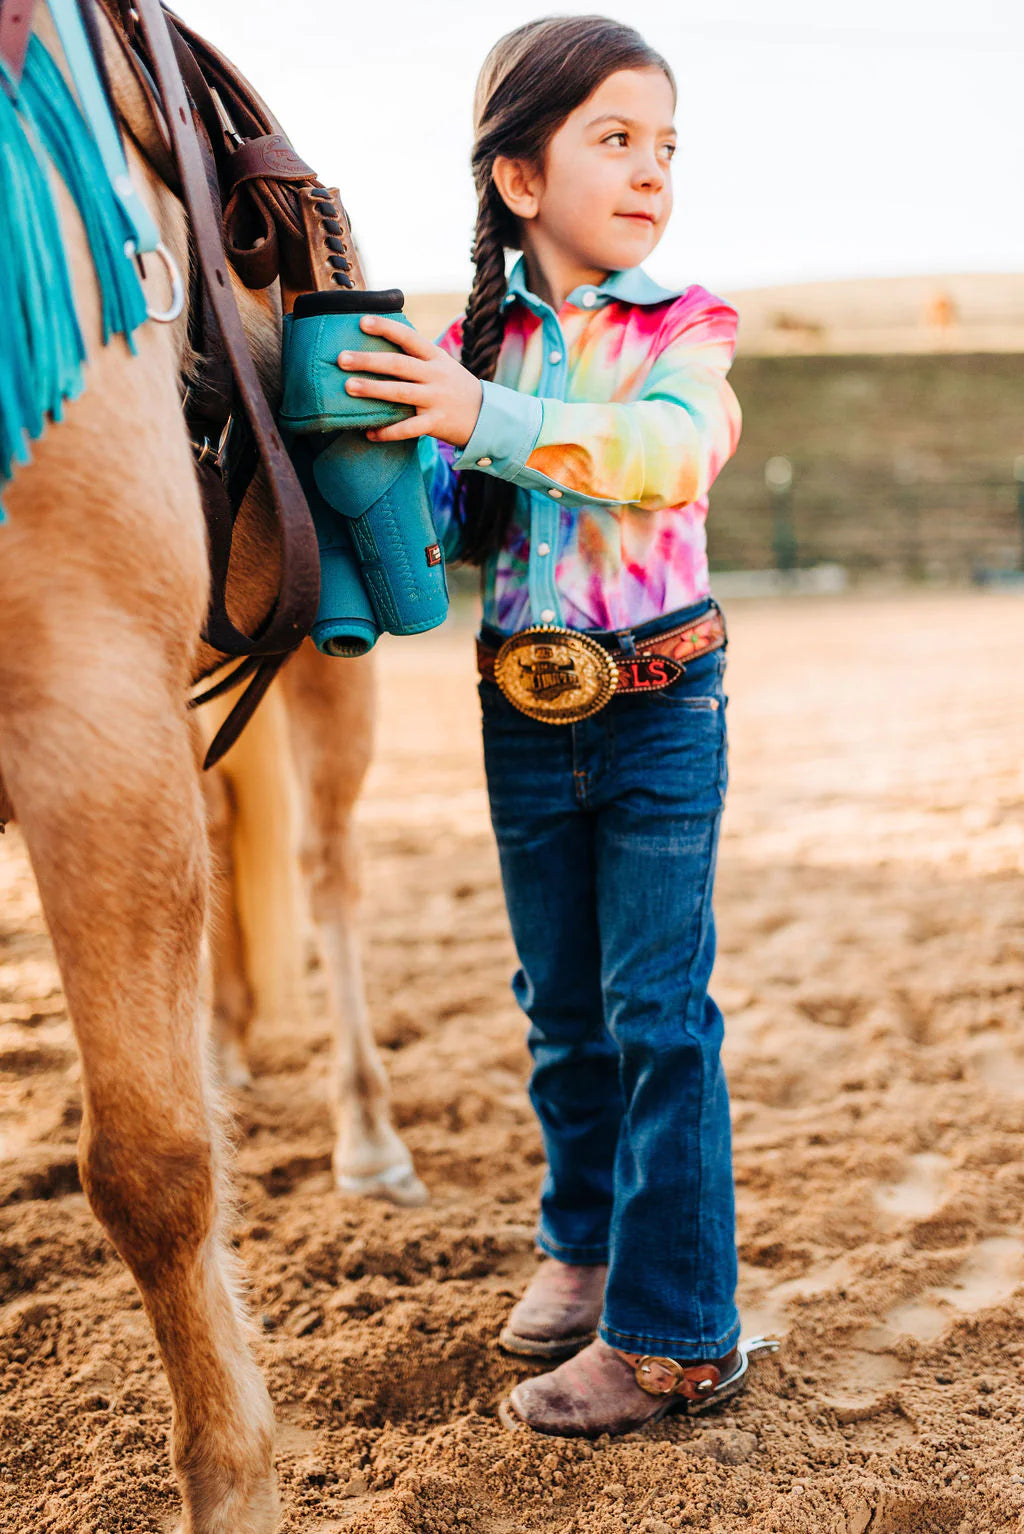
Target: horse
{"x":104,"y":587}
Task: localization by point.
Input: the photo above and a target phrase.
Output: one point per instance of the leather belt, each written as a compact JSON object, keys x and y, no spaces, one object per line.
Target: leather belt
{"x":561,"y":675}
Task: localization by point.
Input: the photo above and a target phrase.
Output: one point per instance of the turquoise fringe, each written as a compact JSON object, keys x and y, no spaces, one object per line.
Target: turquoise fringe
{"x":67,"y":139}
{"x":42,"y":350}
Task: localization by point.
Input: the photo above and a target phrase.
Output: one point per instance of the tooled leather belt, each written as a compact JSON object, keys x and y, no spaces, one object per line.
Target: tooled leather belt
{"x":561,"y":676}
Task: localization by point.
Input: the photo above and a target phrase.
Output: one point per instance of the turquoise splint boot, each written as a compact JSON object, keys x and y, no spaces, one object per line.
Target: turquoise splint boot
{"x":381,"y":568}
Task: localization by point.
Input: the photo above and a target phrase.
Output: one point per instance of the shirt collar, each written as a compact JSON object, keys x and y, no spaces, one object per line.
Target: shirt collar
{"x":629,"y":286}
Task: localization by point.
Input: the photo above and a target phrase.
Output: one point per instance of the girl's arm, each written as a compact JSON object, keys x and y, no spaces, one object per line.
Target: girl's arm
{"x":663,"y":448}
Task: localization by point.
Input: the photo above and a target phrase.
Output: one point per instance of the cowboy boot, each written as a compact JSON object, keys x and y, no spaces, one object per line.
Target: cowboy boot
{"x":601,"y":1390}
{"x":559,"y":1312}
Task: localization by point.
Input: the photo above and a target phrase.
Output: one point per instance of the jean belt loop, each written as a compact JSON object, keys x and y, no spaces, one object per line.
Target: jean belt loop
{"x":625,"y":641}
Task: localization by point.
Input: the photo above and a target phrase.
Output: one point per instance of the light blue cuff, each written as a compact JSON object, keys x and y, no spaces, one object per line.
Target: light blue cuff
{"x":505,"y":433}
{"x":532,"y":479}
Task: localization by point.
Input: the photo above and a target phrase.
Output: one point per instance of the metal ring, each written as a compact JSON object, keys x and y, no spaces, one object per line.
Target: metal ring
{"x":165,"y":316}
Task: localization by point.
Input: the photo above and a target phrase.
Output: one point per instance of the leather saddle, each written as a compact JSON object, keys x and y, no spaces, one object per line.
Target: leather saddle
{"x":254,"y":204}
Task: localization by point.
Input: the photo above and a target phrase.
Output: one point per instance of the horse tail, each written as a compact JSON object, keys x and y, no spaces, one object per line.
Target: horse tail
{"x":265,"y":849}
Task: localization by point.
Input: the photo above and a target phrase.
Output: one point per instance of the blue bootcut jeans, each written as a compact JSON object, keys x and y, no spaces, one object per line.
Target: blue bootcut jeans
{"x":607,"y":833}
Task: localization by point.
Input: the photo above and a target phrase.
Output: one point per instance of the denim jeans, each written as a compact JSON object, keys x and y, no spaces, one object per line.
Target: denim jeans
{"x":607,"y":833}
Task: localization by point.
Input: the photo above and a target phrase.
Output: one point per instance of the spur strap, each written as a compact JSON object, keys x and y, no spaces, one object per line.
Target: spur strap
{"x":660,"y":1376}
{"x":699,"y":1384}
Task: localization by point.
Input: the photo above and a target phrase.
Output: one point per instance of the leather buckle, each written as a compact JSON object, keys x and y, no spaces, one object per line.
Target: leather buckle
{"x":556,"y":675}
{"x":667,"y":1377}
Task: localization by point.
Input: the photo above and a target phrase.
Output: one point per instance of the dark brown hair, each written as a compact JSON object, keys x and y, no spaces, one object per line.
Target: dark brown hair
{"x":531,"y":80}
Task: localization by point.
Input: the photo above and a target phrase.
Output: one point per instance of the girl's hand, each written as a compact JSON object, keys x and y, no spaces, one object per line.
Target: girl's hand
{"x":446,"y":397}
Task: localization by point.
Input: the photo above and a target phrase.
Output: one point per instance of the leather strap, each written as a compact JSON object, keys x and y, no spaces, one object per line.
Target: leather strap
{"x":15,"y":31}
{"x":668,"y":1377}
{"x":134,"y":97}
{"x":292,"y":615}
{"x":271,"y":192}
{"x":262,"y":673}
{"x":270,"y":158}
{"x":645,"y":665}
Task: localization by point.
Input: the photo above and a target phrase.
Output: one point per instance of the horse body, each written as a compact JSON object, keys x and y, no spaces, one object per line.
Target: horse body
{"x":103,"y":590}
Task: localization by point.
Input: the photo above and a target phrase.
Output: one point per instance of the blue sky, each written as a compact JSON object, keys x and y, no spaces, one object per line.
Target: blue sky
{"x":816,"y":140}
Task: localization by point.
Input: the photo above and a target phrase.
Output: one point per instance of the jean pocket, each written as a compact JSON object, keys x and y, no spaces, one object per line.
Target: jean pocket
{"x":701,"y":687}
{"x":677,"y":698}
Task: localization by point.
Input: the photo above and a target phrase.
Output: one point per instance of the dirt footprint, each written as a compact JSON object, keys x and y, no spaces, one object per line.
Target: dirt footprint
{"x":898,"y":1513}
{"x":767,"y":1314}
{"x":918,"y":1193}
{"x":1001,"y":1067}
{"x":864,"y":1379}
{"x":988,"y":1277}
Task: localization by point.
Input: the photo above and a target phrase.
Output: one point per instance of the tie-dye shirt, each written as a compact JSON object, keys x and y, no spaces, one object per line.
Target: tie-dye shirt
{"x":613,"y":418}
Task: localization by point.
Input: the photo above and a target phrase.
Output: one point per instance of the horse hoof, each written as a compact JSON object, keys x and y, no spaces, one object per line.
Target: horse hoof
{"x":398,"y":1184}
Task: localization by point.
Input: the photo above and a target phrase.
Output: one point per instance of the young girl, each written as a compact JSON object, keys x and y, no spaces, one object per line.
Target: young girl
{"x":582,"y":413}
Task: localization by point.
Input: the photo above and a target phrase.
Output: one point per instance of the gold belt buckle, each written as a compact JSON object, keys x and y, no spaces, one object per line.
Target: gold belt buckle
{"x":556,"y":675}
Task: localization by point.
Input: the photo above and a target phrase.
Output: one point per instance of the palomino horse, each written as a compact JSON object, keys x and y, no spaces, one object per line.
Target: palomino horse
{"x":103,"y":590}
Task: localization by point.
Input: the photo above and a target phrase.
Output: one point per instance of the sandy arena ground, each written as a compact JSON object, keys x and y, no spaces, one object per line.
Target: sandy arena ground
{"x":871,"y":911}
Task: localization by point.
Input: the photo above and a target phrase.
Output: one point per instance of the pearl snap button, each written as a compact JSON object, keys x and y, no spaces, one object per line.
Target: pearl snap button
{"x":554,"y":358}
{"x":484,"y":463}
{"x":548,"y":615}
{"x":589,"y":299}
{"x":556,"y":495}
{"x":543,"y":548}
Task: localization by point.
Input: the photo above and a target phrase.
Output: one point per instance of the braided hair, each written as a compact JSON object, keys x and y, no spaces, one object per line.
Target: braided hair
{"x":531,"y":81}
{"x":486,"y":503}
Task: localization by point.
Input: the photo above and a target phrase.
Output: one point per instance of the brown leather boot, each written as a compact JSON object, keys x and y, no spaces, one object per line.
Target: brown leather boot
{"x":600,"y":1390}
{"x":559,"y":1312}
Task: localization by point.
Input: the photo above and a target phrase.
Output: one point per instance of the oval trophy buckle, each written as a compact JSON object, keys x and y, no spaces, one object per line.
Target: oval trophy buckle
{"x":555,"y":675}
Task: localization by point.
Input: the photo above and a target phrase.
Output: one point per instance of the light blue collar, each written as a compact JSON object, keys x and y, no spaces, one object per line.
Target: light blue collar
{"x":629,"y":286}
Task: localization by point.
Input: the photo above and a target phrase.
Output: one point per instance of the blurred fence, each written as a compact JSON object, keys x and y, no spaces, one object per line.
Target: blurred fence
{"x":904,"y":466}
{"x":809,"y":513}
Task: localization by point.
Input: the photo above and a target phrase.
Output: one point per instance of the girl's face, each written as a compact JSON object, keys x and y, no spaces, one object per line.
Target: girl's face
{"x":604,"y":194}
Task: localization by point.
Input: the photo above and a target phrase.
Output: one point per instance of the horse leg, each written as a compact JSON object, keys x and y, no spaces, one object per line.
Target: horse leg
{"x":103,"y":587}
{"x":331,"y":712}
{"x":116,"y":842}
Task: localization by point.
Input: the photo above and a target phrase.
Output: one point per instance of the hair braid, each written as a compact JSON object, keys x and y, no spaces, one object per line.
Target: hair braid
{"x":485,"y":503}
